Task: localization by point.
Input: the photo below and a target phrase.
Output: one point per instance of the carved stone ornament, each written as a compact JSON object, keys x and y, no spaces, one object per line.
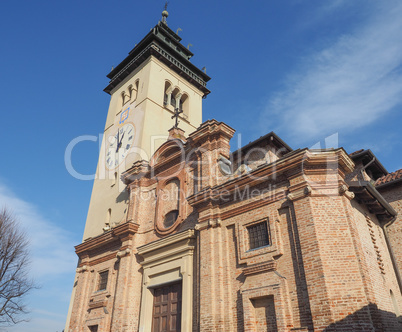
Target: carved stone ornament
{"x":123,"y":253}
{"x":82,"y":269}
{"x":343,"y":190}
{"x":300,"y":193}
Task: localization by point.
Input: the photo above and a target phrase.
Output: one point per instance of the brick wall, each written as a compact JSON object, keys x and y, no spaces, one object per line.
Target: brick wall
{"x":326,"y":266}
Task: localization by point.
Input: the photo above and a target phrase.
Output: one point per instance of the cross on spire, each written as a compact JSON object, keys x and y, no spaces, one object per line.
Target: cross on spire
{"x":176,"y":114}
{"x":166,"y":4}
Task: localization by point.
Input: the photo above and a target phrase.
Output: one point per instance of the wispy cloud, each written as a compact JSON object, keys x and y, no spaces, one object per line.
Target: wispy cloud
{"x":53,"y":263}
{"x":346,"y":85}
{"x":51,"y":246}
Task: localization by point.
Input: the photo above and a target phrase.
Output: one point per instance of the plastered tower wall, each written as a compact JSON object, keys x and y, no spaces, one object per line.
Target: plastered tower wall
{"x":144,"y":106}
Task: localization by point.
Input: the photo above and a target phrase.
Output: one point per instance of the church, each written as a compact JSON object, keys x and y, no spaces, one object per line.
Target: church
{"x":184,"y":234}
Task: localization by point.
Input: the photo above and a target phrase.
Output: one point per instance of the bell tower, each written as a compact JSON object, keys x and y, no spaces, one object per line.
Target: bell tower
{"x":147,"y":88}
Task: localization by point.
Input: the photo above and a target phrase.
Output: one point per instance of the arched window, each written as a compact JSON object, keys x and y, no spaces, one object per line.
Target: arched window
{"x":114,"y":179}
{"x":130,"y":91}
{"x":173,"y":101}
{"x":167,"y":93}
{"x":135,"y":90}
{"x":107,"y":220}
{"x":171,"y":202}
{"x":183,"y":105}
{"x":108,"y":216}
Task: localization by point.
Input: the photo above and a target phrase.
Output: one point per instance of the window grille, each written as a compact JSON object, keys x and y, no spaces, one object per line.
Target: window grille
{"x":103,"y":276}
{"x":258,"y":235}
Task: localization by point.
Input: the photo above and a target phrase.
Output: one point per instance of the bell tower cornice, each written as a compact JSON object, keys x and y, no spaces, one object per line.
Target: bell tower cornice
{"x":164,"y":44}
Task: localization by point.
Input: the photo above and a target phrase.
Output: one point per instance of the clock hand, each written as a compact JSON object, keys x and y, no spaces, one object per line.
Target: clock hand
{"x":122,"y":137}
{"x":119,"y":143}
{"x":118,"y":135}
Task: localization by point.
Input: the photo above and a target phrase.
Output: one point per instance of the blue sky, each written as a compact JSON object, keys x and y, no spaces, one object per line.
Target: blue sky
{"x":308,"y":70}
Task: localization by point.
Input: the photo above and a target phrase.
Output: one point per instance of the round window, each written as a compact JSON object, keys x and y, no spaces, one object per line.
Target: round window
{"x":170,"y":218}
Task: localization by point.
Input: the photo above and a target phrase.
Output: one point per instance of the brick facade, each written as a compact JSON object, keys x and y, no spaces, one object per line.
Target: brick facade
{"x":390,"y":187}
{"x":326,"y":265}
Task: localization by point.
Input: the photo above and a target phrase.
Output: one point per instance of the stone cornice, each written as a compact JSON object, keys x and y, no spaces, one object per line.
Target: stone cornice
{"x":337,"y":157}
{"x":165,"y":242}
{"x":293,"y":165}
{"x":137,"y":171}
{"x":259,"y":268}
{"x":209,"y":128}
{"x":126,"y":229}
{"x":155,"y":45}
{"x":260,"y":175}
{"x":172,"y":144}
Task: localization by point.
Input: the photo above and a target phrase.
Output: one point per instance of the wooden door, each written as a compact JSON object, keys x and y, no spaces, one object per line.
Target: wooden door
{"x":166,"y":315}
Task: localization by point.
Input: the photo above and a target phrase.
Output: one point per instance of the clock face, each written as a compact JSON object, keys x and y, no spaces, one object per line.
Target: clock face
{"x":119,"y":145}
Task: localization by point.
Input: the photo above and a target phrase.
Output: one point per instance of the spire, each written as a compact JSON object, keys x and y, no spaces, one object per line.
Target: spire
{"x":165,"y":13}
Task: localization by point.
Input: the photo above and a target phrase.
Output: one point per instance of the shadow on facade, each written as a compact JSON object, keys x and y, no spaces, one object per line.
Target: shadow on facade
{"x":368,"y":318}
{"x":298,"y":266}
{"x":123,"y":197}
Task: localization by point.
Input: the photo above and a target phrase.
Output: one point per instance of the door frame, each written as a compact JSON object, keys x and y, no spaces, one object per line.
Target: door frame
{"x":166,"y":261}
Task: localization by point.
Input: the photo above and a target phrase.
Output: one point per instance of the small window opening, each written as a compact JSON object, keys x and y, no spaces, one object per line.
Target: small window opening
{"x":173,"y":101}
{"x":167,"y":94}
{"x":258,"y":235}
{"x":170,"y":218}
{"x":130,"y":91}
{"x":135,"y":91}
{"x":102,"y":284}
{"x":183,"y":105}
{"x":93,"y":328}
{"x":107,"y":221}
{"x":173,"y":97}
{"x":108,"y":216}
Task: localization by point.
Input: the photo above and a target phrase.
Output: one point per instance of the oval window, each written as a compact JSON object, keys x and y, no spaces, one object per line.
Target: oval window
{"x":170,"y":218}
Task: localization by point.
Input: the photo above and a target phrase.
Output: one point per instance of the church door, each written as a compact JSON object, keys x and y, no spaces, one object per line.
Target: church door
{"x":166,"y":315}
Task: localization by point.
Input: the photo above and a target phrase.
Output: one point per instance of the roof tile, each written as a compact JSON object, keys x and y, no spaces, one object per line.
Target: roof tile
{"x":389,"y":177}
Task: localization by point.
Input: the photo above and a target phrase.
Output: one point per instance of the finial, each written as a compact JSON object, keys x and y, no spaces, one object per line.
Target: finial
{"x":165,"y":13}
